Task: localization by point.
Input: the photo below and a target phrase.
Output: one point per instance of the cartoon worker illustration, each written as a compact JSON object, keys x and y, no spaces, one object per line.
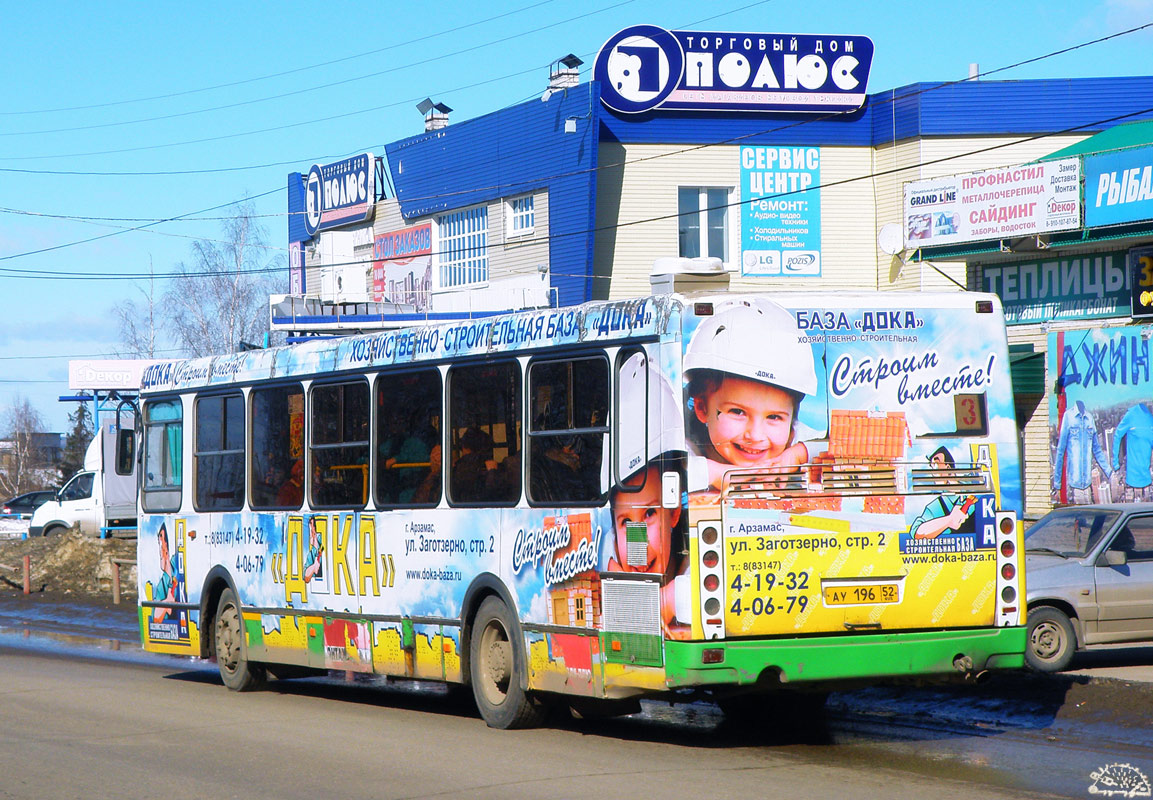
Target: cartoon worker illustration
{"x":646,"y":532}
{"x":164,"y":590}
{"x":947,"y":512}
{"x":313,"y":561}
{"x":747,"y":373}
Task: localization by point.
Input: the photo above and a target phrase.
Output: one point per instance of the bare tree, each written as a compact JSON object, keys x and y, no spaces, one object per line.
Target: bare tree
{"x":220,"y":298}
{"x":140,"y":328}
{"x":23,"y":463}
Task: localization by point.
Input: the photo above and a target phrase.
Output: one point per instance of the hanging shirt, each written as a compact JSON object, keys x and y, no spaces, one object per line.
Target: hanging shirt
{"x":1136,"y":429}
{"x":1077,"y":447}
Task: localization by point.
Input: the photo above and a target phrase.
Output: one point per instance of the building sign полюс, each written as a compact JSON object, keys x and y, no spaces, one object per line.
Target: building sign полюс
{"x":339,"y":193}
{"x":645,"y":67}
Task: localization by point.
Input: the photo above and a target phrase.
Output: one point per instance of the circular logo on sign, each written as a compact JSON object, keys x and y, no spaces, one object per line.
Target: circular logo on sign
{"x":638,"y":68}
{"x":312,"y":204}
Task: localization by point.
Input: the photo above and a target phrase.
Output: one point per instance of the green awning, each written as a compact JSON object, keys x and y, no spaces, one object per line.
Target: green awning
{"x":1119,"y":137}
{"x":1027,"y":368}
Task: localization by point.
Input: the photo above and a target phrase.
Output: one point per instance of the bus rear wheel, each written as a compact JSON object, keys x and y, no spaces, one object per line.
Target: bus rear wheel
{"x":236,"y":671}
{"x":496,"y":666}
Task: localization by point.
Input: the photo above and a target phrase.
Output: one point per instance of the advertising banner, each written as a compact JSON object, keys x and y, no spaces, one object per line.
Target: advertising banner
{"x":911,"y":393}
{"x":780,"y":213}
{"x":1101,"y":415}
{"x":644,"y":67}
{"x":1119,"y":187}
{"x":402,"y":267}
{"x":1087,"y":287}
{"x":999,"y":203}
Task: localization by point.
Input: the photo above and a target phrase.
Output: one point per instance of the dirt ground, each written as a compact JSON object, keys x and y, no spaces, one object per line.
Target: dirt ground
{"x":69,"y":564}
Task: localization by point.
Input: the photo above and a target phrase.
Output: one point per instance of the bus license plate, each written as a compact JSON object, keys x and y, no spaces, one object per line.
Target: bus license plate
{"x":861,"y":594}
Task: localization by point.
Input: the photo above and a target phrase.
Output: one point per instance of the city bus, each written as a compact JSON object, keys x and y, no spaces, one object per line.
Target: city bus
{"x":708,"y":494}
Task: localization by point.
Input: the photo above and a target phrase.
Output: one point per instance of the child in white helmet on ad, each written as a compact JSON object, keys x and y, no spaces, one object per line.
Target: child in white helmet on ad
{"x":747,"y":373}
{"x":649,"y":537}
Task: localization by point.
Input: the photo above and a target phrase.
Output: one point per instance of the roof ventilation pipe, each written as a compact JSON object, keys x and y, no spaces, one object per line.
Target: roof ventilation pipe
{"x":435,"y":114}
{"x":564,"y":73}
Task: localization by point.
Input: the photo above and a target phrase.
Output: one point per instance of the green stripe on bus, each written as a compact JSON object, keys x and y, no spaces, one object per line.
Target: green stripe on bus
{"x":848,"y":657}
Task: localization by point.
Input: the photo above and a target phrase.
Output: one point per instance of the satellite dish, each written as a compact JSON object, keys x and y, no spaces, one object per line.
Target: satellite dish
{"x":890,"y":240}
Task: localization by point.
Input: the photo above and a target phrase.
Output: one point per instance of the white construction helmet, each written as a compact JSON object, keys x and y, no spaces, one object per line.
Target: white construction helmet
{"x":757,"y":339}
{"x":662,"y":431}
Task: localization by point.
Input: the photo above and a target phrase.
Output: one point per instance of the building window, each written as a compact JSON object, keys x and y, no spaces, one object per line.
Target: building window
{"x":704,"y":222}
{"x":521,"y":216}
{"x":462,"y":247}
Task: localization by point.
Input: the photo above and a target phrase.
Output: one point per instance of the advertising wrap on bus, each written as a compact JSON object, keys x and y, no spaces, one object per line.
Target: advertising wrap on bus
{"x":605,"y":502}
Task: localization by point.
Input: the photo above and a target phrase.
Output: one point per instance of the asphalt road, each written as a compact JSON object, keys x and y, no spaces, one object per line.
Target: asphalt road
{"x":84,"y":712}
{"x":85,"y":728}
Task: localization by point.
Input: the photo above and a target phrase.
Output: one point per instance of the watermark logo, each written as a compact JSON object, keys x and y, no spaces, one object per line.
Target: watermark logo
{"x":1120,"y":780}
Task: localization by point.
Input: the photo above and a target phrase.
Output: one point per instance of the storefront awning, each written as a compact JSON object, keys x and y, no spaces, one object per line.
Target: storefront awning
{"x":1027,"y":368}
{"x":1119,"y":137}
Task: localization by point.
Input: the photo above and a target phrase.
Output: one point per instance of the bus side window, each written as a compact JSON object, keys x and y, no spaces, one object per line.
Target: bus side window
{"x":276,"y":475}
{"x":408,"y":443}
{"x":568,"y":410}
{"x":163,"y":455}
{"x":484,"y":412}
{"x":339,"y":431}
{"x":219,"y":454}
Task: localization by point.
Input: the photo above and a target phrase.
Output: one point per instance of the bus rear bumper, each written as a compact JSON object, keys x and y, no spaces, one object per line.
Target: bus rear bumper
{"x":932,"y":655}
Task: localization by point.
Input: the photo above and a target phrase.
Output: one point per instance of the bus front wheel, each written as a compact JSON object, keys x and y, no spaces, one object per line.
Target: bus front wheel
{"x":236,"y":671}
{"x":497,"y":670}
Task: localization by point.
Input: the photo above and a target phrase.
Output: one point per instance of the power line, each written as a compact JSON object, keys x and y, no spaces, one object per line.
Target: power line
{"x":270,"y":76}
{"x":892,"y":99}
{"x":301,"y":91}
{"x":128,"y":230}
{"x":34,"y":274}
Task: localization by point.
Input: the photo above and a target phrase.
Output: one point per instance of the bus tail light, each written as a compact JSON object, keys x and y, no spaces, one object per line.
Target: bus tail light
{"x":711,"y":563}
{"x":1010,"y":580}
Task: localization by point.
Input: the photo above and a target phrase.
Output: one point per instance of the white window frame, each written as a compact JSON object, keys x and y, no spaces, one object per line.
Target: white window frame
{"x":520,"y":221}
{"x":702,"y":221}
{"x":461,"y":247}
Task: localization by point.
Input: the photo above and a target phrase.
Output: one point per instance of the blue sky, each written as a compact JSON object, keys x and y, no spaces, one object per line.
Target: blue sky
{"x":225,"y":99}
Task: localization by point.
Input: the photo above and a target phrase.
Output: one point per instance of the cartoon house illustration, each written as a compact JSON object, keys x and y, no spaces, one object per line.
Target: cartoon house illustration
{"x":575,"y":602}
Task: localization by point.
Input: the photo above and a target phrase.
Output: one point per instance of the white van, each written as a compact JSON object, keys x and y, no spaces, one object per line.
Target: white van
{"x":102,"y":495}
